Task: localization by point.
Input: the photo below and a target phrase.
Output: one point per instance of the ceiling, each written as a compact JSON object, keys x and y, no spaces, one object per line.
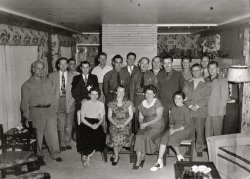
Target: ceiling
{"x":88,"y":15}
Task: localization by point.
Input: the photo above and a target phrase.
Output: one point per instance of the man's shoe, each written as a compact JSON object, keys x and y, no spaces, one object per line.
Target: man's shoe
{"x":205,"y":150}
{"x":62,"y":149}
{"x":68,"y":147}
{"x":199,"y":154}
{"x":59,"y":159}
{"x":40,"y":161}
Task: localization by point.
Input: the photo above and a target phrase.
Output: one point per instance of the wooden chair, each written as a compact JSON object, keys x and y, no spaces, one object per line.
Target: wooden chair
{"x":14,"y":160}
{"x":188,"y":144}
{"x":128,"y":150}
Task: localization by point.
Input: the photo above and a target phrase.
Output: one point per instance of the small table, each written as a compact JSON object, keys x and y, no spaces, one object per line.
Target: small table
{"x":180,"y":166}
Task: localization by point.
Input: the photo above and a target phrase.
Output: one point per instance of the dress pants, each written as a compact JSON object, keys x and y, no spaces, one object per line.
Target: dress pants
{"x":65,"y":122}
{"x":214,"y":125}
{"x":198,"y":126}
{"x":45,"y":122}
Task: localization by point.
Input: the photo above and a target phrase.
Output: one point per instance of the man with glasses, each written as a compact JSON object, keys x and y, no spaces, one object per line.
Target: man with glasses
{"x":142,"y":78}
{"x":197,"y":92}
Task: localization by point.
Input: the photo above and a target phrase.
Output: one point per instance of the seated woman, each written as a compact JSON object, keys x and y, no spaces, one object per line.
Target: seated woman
{"x":151,"y":125}
{"x":120,"y":114}
{"x":179,"y":129}
{"x":91,"y":137}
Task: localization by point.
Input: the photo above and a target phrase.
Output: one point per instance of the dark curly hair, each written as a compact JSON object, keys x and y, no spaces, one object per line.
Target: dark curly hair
{"x":180,"y":93}
{"x":151,"y":88}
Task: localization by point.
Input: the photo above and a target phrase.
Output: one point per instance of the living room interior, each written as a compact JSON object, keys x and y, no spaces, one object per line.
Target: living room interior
{"x":81,"y":29}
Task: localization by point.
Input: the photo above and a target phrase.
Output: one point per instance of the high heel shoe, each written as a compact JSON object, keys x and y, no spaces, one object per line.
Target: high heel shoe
{"x":137,"y":167}
{"x":115,"y":163}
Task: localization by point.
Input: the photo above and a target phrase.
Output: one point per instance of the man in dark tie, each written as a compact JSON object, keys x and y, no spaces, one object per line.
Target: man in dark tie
{"x":131,"y":68}
{"x":61,"y":81}
{"x":114,"y":78}
{"x":142,"y":78}
{"x":82,"y":83}
{"x":169,"y":82}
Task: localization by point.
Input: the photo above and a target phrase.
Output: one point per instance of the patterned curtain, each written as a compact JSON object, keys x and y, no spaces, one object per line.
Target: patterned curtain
{"x":15,"y":69}
{"x":245,"y":124}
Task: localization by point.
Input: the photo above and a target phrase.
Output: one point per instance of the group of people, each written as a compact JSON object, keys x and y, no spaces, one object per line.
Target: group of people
{"x":106,"y":105}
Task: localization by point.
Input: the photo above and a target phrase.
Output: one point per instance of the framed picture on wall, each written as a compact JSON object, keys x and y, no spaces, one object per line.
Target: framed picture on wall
{"x":87,"y":52}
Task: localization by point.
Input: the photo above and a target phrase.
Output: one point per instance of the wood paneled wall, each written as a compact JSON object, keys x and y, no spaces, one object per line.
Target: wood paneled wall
{"x":123,"y":38}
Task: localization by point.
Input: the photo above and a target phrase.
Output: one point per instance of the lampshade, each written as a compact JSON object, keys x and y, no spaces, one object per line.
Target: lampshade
{"x":238,"y":74}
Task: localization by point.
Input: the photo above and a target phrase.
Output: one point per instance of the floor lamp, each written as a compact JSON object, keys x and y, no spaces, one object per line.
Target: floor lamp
{"x":238,"y":74}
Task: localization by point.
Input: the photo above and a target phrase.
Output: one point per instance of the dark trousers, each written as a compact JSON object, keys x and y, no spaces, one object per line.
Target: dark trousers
{"x":198,"y":126}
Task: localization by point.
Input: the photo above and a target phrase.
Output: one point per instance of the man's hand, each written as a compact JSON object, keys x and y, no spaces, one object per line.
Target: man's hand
{"x":94,"y":126}
{"x":143,"y":126}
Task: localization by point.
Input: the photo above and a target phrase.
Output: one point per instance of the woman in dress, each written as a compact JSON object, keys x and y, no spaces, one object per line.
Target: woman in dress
{"x":152,"y":125}
{"x":91,"y":136}
{"x":120,"y":114}
{"x":179,"y":129}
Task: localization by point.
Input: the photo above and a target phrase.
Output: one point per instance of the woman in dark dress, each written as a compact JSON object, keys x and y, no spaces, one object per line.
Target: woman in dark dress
{"x":91,"y":137}
{"x":152,"y":125}
{"x":120,"y":114}
{"x":179,"y":129}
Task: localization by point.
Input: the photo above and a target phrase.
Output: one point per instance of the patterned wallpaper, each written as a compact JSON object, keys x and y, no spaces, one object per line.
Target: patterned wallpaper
{"x":12,"y":35}
{"x":87,"y":38}
{"x":61,"y":41}
{"x":179,"y":45}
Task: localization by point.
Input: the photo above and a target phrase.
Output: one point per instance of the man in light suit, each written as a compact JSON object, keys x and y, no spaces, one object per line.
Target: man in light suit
{"x":197,"y":92}
{"x":61,"y":81}
{"x":217,"y":101}
{"x":131,"y":68}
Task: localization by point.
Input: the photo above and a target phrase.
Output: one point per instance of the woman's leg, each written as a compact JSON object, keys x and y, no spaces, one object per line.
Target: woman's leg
{"x":138,"y":161}
{"x":116,"y":152}
{"x":162,"y":151}
{"x":176,"y":150}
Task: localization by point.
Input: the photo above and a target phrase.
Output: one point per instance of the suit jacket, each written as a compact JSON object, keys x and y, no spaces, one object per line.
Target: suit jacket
{"x":198,"y":96}
{"x":217,"y":101}
{"x":80,"y":91}
{"x":55,"y":80}
{"x":135,"y":70}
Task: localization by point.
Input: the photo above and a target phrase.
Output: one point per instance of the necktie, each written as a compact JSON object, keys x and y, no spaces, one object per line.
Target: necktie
{"x":86,"y":80}
{"x":63,"y":84}
{"x":118,"y":78}
{"x":142,"y":80}
{"x":130,"y":70}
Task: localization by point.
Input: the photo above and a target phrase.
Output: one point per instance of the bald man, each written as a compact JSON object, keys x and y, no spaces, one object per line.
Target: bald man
{"x":38,"y":106}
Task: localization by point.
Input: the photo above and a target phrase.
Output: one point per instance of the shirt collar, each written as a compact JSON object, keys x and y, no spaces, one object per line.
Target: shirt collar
{"x":62,"y":72}
{"x":146,"y":105}
{"x":84,"y":75}
{"x":216,"y":77}
{"x":197,"y":79}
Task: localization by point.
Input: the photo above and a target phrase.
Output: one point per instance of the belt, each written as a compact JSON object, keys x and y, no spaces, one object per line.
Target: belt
{"x":42,"y":106}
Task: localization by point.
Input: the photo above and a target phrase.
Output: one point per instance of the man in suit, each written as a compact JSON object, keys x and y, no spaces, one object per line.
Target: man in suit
{"x":38,"y":106}
{"x":217,"y":101}
{"x":82,"y":83}
{"x":156,"y":65}
{"x":131,"y":68}
{"x":114,"y":78}
{"x":61,"y":81}
{"x":197,"y":92}
{"x":142,"y":78}
{"x":169,"y":81}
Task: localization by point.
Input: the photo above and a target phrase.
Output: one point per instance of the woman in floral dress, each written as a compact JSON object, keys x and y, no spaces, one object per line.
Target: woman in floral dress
{"x":120,"y":114}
